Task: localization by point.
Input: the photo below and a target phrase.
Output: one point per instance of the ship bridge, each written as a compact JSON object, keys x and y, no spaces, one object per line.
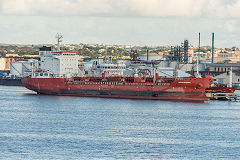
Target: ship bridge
{"x":110,"y":69}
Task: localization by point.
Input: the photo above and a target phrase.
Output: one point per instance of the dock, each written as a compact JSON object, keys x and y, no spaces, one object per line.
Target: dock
{"x":224,"y":96}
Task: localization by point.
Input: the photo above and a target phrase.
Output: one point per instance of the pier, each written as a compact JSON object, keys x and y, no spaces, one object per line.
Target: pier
{"x":224,"y":96}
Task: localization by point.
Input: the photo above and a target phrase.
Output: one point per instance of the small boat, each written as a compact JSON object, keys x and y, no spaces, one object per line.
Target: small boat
{"x":220,"y":89}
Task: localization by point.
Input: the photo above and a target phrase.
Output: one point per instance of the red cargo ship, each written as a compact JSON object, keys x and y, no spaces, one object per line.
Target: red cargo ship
{"x":174,"y":89}
{"x":107,"y":79}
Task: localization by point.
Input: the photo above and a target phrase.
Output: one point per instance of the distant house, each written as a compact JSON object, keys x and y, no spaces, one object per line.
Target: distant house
{"x":220,"y":73}
{"x":12,"y":55}
{"x":223,"y":67}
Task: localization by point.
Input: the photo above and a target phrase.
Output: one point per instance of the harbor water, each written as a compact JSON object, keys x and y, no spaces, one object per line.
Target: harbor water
{"x":57,"y":127}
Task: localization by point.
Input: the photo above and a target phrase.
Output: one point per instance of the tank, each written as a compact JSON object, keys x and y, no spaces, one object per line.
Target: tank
{"x":201,"y":67}
{"x":151,"y":57}
{"x":186,"y":67}
{"x":164,"y":64}
{"x":174,"y":64}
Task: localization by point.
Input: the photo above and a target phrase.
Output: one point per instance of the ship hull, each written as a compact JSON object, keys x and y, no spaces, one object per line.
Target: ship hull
{"x":172,"y":96}
{"x":182,"y":90}
{"x":11,"y":82}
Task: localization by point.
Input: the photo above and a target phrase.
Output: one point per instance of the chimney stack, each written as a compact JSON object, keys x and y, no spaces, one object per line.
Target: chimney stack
{"x":147,"y":55}
{"x":213,"y":47}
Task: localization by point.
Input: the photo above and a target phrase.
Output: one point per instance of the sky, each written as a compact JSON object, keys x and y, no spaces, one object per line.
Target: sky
{"x":123,"y":22}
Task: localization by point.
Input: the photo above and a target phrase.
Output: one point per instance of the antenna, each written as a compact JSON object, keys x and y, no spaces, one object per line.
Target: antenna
{"x":59,"y":40}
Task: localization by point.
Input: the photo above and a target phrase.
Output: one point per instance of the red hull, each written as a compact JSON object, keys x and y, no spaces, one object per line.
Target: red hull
{"x":187,"y":89}
{"x":221,"y":89}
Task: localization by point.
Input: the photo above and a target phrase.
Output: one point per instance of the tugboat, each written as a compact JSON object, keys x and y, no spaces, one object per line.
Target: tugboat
{"x":221,"y":89}
{"x":218,"y":88}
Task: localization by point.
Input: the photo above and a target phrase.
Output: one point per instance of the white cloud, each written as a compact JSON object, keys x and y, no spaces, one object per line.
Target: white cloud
{"x":146,"y":8}
{"x":90,"y":23}
{"x":54,"y":7}
{"x":231,"y":26}
{"x":15,"y":7}
{"x":160,"y":8}
{"x":94,"y":21}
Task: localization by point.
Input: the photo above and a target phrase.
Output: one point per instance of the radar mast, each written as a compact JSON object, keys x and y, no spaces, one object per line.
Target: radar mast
{"x":59,"y":40}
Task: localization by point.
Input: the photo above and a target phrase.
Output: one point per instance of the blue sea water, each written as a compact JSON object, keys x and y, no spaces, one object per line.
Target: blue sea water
{"x":56,"y":127}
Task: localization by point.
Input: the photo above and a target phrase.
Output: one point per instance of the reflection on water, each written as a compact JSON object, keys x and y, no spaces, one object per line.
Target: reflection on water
{"x":56,"y":127}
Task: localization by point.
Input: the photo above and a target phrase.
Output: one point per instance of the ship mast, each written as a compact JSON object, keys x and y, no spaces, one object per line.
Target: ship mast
{"x":230,"y":77}
{"x":154,"y":72}
{"x":59,"y":40}
{"x":198,"y":56}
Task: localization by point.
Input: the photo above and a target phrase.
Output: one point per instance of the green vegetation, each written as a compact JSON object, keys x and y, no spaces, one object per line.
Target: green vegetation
{"x":20,"y":50}
{"x":96,"y":50}
{"x":92,"y":51}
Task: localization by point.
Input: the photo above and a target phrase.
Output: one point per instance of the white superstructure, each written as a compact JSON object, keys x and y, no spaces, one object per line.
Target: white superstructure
{"x":103,"y":67}
{"x":60,"y":64}
{"x":111,"y":69}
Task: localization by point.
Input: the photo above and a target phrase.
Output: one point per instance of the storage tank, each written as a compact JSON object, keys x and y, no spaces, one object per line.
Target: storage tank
{"x":186,"y":67}
{"x":201,"y":67}
{"x":152,"y":57}
{"x":174,"y":64}
{"x":164,"y":64}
